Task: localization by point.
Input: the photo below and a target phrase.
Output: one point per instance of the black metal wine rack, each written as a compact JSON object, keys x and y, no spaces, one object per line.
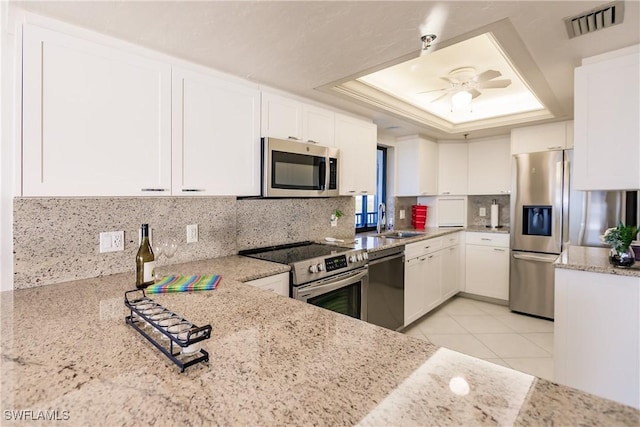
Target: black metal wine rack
{"x":148,"y":314}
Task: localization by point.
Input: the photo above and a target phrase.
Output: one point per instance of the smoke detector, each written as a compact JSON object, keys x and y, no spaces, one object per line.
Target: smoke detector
{"x":595,"y":19}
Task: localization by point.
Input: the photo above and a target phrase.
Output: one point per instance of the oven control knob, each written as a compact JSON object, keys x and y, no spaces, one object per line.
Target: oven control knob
{"x":359,"y":257}
{"x":313,"y":269}
{"x":352,"y":258}
{"x":365,"y":255}
{"x":320,"y":267}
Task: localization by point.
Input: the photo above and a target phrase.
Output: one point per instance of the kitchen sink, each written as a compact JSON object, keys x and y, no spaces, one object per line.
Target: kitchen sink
{"x":401,"y":235}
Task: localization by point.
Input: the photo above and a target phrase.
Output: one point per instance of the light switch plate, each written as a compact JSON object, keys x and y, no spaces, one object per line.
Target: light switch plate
{"x":401,"y":212}
{"x":483,"y":211}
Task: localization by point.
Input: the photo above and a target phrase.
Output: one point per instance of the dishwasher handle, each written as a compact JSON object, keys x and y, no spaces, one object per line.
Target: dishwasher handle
{"x":386,"y":258}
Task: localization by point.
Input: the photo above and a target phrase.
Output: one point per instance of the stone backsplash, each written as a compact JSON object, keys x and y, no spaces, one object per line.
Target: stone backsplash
{"x":57,"y":240}
{"x":474,"y":203}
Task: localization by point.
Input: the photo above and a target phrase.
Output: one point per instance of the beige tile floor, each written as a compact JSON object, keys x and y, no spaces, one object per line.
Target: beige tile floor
{"x":490,"y":332}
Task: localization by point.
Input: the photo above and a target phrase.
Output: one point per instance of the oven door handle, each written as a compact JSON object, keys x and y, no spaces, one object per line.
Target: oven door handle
{"x":328,"y":287}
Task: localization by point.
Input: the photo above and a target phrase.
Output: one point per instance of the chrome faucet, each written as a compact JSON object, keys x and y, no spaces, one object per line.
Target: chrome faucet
{"x":381,"y":213}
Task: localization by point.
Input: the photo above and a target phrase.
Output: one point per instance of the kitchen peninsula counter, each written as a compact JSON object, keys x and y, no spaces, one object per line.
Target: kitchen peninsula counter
{"x":273,"y":361}
{"x":594,"y":260}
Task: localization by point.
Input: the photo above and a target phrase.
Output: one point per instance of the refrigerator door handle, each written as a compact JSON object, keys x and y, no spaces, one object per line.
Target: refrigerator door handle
{"x":537,"y":257}
{"x":565,"y":203}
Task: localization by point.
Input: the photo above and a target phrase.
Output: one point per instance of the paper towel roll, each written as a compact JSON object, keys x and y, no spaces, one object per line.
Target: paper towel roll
{"x":495,"y":209}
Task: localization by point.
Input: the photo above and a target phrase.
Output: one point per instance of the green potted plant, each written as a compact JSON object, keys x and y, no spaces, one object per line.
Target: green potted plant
{"x":620,"y":238}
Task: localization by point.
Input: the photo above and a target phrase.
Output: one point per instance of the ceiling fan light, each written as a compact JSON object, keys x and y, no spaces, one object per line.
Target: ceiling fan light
{"x":461,"y":100}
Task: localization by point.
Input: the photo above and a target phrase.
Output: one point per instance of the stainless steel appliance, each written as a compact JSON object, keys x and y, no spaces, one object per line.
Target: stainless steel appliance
{"x":298,"y":169}
{"x":385,"y":305}
{"x":547,"y":215}
{"x":327,"y":276}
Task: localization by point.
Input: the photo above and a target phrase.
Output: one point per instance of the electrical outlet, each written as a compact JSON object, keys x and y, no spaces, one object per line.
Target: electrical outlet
{"x":111,"y":241}
{"x":483,"y":211}
{"x":192,"y":233}
{"x":401,"y":213}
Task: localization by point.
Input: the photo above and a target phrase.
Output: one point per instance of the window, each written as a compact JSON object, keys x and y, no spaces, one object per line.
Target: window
{"x":367,"y":206}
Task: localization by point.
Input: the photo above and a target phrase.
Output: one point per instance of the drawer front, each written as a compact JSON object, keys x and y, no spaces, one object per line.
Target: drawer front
{"x":422,"y":247}
{"x":278,"y":283}
{"x":450,"y":240}
{"x":488,"y":239}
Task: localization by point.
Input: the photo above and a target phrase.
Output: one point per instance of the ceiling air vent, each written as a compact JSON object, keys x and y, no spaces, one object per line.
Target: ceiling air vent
{"x":596,"y":19}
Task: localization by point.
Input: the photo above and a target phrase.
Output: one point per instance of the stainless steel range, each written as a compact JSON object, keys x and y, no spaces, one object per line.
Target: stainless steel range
{"x":328,"y":276}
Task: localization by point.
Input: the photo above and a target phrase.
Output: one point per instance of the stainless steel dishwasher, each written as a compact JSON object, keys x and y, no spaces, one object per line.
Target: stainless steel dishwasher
{"x":385,"y":299}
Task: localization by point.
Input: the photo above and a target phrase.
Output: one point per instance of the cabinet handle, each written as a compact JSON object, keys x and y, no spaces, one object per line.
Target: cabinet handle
{"x":554,"y":147}
{"x":364,"y":192}
{"x":484,"y":238}
{"x":312,"y":141}
{"x":153,"y":189}
{"x":422,"y":259}
{"x":505,"y":191}
{"x":430,"y":256}
{"x":446,"y":192}
{"x":193,"y":190}
{"x":294,"y":138}
{"x":498,"y":250}
{"x":427,"y":247}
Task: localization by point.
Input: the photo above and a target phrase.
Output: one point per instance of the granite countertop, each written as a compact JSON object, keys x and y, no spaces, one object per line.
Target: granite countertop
{"x":372,"y":241}
{"x":484,"y":229}
{"x":273,"y":361}
{"x":592,"y":259}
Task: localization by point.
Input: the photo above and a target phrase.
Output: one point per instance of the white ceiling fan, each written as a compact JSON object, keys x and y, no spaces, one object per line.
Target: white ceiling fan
{"x":466,"y":79}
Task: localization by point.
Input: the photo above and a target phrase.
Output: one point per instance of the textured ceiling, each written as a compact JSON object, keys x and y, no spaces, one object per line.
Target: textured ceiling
{"x":299,"y":46}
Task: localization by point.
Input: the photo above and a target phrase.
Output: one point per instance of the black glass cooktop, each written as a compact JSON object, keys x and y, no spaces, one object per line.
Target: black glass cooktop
{"x":289,"y":254}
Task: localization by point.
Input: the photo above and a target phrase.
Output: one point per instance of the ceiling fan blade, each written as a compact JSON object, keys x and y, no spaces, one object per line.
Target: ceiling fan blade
{"x":495,"y":84}
{"x":474,"y":93}
{"x":434,"y":90}
{"x":487,"y":75}
{"x":447,"y":79}
{"x":440,"y":97}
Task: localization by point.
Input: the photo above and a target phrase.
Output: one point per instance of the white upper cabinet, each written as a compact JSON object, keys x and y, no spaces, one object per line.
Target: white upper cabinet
{"x":489,"y":166}
{"x":216,"y":136}
{"x":417,"y":160}
{"x":281,"y":117}
{"x":546,"y":137}
{"x":607,"y":134}
{"x":288,"y":118}
{"x":452,"y":168}
{"x":318,"y":125}
{"x":96,"y":121}
{"x":357,"y":141}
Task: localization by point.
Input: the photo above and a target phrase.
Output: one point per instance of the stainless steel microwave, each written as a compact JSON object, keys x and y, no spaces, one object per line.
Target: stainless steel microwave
{"x":298,"y":169}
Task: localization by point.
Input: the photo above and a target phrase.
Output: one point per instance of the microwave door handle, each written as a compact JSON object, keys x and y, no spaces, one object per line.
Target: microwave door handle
{"x":323,"y":174}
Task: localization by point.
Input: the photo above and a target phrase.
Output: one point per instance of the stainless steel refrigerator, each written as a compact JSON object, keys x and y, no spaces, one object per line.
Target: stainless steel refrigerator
{"x":546,"y":216}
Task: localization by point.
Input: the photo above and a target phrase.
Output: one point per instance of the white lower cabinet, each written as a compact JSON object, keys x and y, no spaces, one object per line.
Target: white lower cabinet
{"x":487,"y":265}
{"x":431,"y":275}
{"x":278,"y":283}
{"x":597,"y":334}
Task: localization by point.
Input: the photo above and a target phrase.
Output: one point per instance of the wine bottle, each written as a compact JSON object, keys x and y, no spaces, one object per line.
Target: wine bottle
{"x":145,"y":261}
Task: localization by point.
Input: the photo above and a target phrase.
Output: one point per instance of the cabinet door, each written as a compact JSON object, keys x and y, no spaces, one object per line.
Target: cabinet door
{"x":532,"y":139}
{"x":216,"y":142}
{"x":418,"y":175}
{"x":432,"y":281}
{"x":318,"y":126}
{"x":357,"y":142}
{"x":450,"y":271}
{"x":490,"y":166}
{"x":453,"y":168}
{"x":96,"y":121}
{"x":487,"y":271}
{"x":607,"y":135}
{"x":281,"y":117}
{"x":414,"y":289}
